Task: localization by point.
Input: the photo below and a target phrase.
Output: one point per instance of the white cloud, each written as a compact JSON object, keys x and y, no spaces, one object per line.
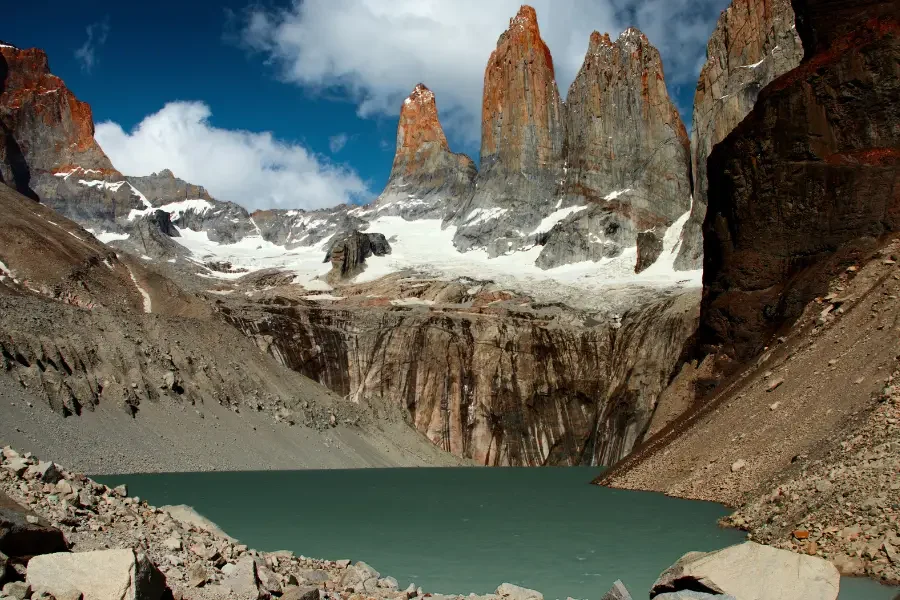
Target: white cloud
{"x":253,"y":169}
{"x":96,"y":36}
{"x":377,"y":50}
{"x":337,"y":142}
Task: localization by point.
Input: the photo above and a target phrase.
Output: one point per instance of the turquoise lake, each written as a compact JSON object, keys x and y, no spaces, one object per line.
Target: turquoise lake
{"x":462,"y":530}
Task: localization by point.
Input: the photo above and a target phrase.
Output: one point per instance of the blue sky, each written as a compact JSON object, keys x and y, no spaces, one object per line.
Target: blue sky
{"x":324,"y":78}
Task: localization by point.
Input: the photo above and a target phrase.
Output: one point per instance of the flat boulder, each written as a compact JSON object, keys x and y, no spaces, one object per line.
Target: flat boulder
{"x":509,"y":591}
{"x":243,"y":580}
{"x":692,"y":595}
{"x":295,"y":592}
{"x":22,"y":538}
{"x":751,"y":571}
{"x":101,"y":575}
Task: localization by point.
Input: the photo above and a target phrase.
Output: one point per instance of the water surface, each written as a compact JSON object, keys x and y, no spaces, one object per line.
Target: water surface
{"x":462,"y":530}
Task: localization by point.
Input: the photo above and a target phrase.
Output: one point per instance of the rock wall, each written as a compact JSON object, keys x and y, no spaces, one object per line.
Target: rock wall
{"x":503,"y":387}
{"x":807,"y":179}
{"x":427,"y":180}
{"x":522,"y":141}
{"x":753,"y":43}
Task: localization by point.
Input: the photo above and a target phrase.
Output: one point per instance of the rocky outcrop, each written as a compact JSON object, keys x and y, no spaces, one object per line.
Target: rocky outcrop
{"x":22,"y":533}
{"x":98,"y":575}
{"x":522,"y":141}
{"x":427,"y":180}
{"x":751,"y":570}
{"x":163,"y":188}
{"x":627,"y":151}
{"x":348,"y":254}
{"x":47,"y":142}
{"x":484,"y":378}
{"x":807,"y":180}
{"x":294,"y":228}
{"x":753,"y":43}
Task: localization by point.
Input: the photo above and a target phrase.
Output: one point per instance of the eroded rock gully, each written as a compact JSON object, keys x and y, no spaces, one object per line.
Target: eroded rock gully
{"x":500,"y":384}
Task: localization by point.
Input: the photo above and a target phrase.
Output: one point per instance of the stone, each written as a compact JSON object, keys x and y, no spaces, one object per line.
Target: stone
{"x":348,"y":254}
{"x":738,"y":465}
{"x":342,"y":564}
{"x":768,"y":257}
{"x":754,"y":571}
{"x":4,"y":568}
{"x":244,"y":580}
{"x":18,"y":590}
{"x":314,"y":575}
{"x":197,"y":575}
{"x":45,"y":471}
{"x":16,"y":465}
{"x":823,"y":485}
{"x":99,"y":575}
{"x":293,"y":592}
{"x":358,"y":574}
{"x":121,"y":490}
{"x":692,"y":595}
{"x":388,"y":583}
{"x":19,"y":537}
{"x":172,"y":543}
{"x":752,"y":44}
{"x":269,"y":580}
{"x":617,"y":592}
{"x":514,"y":592}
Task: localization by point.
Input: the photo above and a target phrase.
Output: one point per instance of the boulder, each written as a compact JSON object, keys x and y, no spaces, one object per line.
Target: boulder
{"x":243,"y":581}
{"x":348,"y":254}
{"x":4,"y":568}
{"x":269,"y":580}
{"x":751,"y":570}
{"x":294,"y":592}
{"x":692,"y":595}
{"x":514,"y":592}
{"x":45,"y":471}
{"x":314,"y":575}
{"x":358,"y":575}
{"x":197,"y":575}
{"x":101,"y":575}
{"x":16,"y":465}
{"x":21,"y":538}
{"x":617,"y":592}
{"x":17,"y":590}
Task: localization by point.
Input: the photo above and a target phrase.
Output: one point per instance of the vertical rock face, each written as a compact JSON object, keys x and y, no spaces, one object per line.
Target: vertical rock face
{"x":427,"y":179}
{"x":808,"y":179}
{"x":625,"y":139}
{"x":47,"y":147}
{"x":54,"y":130}
{"x":522,"y":139}
{"x":753,"y":43}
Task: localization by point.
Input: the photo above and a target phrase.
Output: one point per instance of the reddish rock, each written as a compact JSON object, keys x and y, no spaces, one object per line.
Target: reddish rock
{"x":753,"y":43}
{"x":808,"y":181}
{"x":53,"y":129}
{"x":426,"y":176}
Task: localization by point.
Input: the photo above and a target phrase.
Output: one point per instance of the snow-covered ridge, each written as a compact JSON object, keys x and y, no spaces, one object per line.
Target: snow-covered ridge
{"x":176,"y":209}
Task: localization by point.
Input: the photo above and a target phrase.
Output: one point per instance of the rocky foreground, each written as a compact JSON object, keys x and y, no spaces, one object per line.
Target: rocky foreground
{"x":66,"y":537}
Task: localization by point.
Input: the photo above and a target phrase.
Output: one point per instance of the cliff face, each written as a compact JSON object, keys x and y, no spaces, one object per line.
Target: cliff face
{"x":627,"y":152}
{"x":500,"y":386}
{"x":753,"y":43}
{"x":809,"y":178}
{"x":47,"y":140}
{"x":522,"y":140}
{"x":427,"y":180}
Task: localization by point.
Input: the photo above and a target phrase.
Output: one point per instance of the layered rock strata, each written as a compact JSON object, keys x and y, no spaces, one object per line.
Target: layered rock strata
{"x":754,"y":42}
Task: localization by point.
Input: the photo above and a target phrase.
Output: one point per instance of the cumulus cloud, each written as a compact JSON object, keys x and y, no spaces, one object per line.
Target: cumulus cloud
{"x":337,"y":142}
{"x":96,"y":37}
{"x":253,"y":169}
{"x":377,"y":50}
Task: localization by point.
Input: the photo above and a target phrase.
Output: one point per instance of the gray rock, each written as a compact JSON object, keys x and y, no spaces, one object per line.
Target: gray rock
{"x":691,"y":595}
{"x":358,"y":574}
{"x":18,"y":590}
{"x":617,"y":592}
{"x":244,"y":580}
{"x":314,"y":575}
{"x":269,"y":580}
{"x":197,"y":575}
{"x":343,"y":563}
{"x":97,"y":575}
{"x":751,"y":570}
{"x":389,"y":583}
{"x":16,"y":465}
{"x":348,"y":254}
{"x":4,"y":568}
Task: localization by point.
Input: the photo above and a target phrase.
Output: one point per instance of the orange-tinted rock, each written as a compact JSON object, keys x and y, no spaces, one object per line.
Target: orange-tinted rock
{"x":753,"y":43}
{"x":53,"y":129}
{"x":522,"y":142}
{"x":427,"y":179}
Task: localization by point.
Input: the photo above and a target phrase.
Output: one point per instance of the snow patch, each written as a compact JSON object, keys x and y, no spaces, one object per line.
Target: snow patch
{"x":108,"y":236}
{"x":555,"y":217}
{"x":412,"y":302}
{"x":317,"y":297}
{"x":175,"y":209}
{"x":753,"y":66}
{"x":103,"y":185}
{"x":615,"y":194}
{"x":148,"y":303}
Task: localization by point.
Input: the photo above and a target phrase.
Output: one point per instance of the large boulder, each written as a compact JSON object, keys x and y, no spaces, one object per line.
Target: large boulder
{"x":348,"y":254}
{"x":102,"y":575}
{"x":751,"y":571}
{"x":359,"y":576}
{"x":243,"y":580}
{"x":509,"y":591}
{"x":23,"y":539}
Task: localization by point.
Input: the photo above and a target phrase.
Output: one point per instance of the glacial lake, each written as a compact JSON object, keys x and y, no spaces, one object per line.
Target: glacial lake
{"x":463,"y":530}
